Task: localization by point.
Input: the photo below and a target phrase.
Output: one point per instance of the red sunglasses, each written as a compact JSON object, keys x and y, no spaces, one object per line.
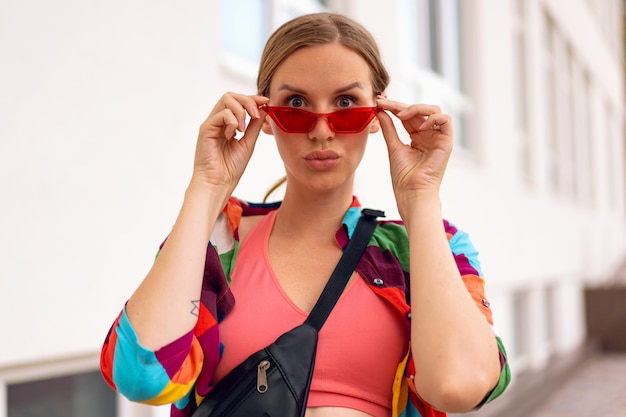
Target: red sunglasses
{"x":295,"y":120}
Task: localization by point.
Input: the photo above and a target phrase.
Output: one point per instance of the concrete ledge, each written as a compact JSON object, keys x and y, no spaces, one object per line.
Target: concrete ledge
{"x":605,"y":311}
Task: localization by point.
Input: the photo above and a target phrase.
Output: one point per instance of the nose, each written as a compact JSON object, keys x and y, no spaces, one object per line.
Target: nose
{"x":321,"y":130}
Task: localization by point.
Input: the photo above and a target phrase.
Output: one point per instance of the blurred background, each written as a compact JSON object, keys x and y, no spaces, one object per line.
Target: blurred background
{"x":100,"y":103}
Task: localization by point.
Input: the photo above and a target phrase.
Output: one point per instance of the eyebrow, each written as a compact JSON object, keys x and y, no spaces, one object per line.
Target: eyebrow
{"x":348,"y":87}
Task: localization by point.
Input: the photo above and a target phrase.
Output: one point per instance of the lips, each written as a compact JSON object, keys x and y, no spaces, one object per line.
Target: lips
{"x":321,"y":155}
{"x":322,"y":160}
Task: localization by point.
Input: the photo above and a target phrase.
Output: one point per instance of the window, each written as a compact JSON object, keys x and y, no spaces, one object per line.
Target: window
{"x":559,"y":63}
{"x":254,"y":16}
{"x":242,"y":48}
{"x":551,"y":308}
{"x":521,"y":326}
{"x":581,"y":131}
{"x":551,"y":102}
{"x":612,"y":154}
{"x":78,"y":395}
{"x":588,"y":162}
{"x":431,"y":33}
{"x":567,"y":86}
{"x":520,"y":91}
{"x":566,"y":117}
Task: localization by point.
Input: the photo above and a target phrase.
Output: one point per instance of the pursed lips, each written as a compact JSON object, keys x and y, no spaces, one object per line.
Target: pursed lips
{"x":321,"y":155}
{"x":322,"y":160}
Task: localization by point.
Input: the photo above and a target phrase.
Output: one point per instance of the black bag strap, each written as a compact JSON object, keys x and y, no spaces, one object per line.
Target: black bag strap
{"x":343,"y":271}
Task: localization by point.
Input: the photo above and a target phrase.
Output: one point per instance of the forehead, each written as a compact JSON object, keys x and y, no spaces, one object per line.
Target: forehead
{"x":329,"y":65}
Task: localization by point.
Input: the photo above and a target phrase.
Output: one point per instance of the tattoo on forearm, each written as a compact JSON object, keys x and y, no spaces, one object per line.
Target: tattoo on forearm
{"x":196,"y":307}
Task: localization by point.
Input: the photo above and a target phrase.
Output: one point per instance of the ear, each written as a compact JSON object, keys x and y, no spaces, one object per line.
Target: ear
{"x":374,"y":125}
{"x":267,"y":128}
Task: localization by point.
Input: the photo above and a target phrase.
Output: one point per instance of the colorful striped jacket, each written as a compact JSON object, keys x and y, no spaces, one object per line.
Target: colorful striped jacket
{"x":181,"y":372}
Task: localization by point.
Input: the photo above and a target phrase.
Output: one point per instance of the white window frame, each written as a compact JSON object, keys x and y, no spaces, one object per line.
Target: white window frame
{"x":519,"y":34}
{"x":549,"y":74}
{"x":521,"y":346}
{"x":418,"y":78}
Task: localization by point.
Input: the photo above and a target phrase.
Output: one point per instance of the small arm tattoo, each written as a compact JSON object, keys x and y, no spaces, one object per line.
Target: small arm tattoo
{"x":196,"y":307}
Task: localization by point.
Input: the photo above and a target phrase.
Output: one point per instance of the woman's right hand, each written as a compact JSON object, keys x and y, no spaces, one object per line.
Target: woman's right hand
{"x":164,"y":306}
{"x":221,"y":158}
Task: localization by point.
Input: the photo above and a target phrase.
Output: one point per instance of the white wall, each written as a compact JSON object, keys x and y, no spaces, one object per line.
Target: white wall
{"x":99,"y":110}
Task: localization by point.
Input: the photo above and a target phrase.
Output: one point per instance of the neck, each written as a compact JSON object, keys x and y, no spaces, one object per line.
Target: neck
{"x":312,"y":216}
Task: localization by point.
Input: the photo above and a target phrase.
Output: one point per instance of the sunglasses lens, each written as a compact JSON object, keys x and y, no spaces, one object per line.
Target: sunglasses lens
{"x":352,"y":120}
{"x":295,"y":120}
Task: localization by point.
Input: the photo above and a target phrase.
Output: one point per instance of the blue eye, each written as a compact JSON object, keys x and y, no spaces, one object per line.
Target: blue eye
{"x":296,"y":102}
{"x":345,"y":102}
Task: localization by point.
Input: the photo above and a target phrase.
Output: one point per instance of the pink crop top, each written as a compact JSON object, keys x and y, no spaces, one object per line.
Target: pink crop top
{"x":359,"y":347}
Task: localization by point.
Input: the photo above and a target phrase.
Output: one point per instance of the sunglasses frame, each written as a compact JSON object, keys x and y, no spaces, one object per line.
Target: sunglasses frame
{"x":271,"y":111}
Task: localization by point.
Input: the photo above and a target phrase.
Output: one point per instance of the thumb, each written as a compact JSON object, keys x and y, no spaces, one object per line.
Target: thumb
{"x":389,"y":131}
{"x":252,"y":134}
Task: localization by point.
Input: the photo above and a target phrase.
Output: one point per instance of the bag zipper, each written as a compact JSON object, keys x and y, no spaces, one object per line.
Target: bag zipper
{"x":261,"y":376}
{"x":263,"y":368}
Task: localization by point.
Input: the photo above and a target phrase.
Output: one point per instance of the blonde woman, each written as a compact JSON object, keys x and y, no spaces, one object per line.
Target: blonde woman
{"x":232,"y":276}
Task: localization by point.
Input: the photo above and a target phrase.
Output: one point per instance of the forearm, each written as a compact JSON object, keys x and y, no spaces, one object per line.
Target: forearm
{"x":164,"y":306}
{"x":454,"y":348}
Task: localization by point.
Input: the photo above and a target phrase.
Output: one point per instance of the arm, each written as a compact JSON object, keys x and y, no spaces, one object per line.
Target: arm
{"x":454,"y":349}
{"x":161,"y":309}
{"x":152,"y":353}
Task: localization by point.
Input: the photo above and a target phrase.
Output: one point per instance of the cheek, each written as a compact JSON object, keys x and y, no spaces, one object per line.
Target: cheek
{"x":356,"y":148}
{"x":287,"y":146}
{"x":360,"y":143}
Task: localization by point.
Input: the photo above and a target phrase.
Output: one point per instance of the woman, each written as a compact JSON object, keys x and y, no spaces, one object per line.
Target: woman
{"x":181,"y":331}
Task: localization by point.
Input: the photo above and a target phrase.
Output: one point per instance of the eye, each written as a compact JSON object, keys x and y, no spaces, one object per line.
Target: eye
{"x":295,"y":101}
{"x":345,"y":101}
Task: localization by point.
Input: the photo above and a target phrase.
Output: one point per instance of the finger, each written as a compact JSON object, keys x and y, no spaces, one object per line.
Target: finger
{"x":439,"y":121}
{"x":251,"y":135}
{"x":389,"y":131}
{"x":409,"y":115}
{"x":251,"y":105}
{"x":404,"y":111}
{"x":391,"y":105}
{"x":418,"y":110}
{"x":242,"y":105}
{"x":230,"y":124}
{"x":421,"y":117}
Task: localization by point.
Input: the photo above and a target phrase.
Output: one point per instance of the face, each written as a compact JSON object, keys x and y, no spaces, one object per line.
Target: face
{"x":322,"y":79}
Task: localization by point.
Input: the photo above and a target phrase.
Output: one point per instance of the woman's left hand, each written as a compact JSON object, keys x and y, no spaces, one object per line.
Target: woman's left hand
{"x":418,"y":167}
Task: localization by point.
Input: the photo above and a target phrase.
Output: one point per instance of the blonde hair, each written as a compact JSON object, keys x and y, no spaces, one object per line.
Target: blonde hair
{"x":318,"y":29}
{"x":273,"y":188}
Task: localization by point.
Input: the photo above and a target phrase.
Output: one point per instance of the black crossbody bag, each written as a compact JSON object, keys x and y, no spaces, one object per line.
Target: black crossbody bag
{"x":275,"y":381}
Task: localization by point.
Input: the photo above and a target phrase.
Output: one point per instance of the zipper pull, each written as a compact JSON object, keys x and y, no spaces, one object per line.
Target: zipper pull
{"x":261,"y":376}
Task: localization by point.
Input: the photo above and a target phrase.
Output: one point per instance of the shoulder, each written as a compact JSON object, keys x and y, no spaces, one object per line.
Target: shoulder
{"x":458,"y":239}
{"x":391,"y":235}
{"x":241,"y":216}
{"x":247,"y":224}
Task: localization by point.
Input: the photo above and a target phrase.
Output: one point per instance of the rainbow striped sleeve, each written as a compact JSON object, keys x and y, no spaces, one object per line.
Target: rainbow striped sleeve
{"x":466,"y":257}
{"x":151,"y":377}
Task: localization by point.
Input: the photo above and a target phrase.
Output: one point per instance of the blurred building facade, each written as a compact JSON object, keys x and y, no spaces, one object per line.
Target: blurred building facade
{"x":100,"y":109}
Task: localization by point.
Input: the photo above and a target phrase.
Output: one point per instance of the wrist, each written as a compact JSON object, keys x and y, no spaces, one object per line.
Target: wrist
{"x":212,"y":197}
{"x":417,"y":207}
